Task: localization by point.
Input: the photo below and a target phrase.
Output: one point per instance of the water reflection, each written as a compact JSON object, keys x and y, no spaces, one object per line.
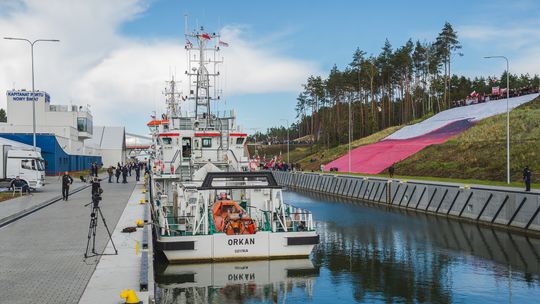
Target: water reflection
{"x":370,"y":253}
{"x":235,"y":282}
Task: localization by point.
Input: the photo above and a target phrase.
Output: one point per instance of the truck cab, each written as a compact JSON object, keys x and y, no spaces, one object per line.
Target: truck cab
{"x":27,"y":164}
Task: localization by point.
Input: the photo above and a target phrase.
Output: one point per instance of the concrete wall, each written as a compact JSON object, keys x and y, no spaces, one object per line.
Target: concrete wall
{"x":503,"y":208}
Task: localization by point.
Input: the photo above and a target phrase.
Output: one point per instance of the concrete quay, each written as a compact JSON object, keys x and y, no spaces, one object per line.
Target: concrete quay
{"x":20,"y":206}
{"x":134,"y":260}
{"x":503,"y":207}
{"x":42,"y":254}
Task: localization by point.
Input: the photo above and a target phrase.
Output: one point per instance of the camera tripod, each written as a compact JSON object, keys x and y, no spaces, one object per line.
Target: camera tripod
{"x":96,"y":213}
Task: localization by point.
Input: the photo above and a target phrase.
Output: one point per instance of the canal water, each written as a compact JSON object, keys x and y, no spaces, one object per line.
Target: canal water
{"x":372,"y":254}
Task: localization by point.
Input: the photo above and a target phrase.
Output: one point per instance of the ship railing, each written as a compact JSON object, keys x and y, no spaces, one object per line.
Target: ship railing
{"x":179,"y":225}
{"x":301,"y":219}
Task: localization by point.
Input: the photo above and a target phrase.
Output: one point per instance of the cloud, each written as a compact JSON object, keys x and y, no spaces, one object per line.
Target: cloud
{"x":122,"y":77}
{"x":520,"y":42}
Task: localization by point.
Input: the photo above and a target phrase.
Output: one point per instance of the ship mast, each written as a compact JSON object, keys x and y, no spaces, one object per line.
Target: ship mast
{"x":202,"y":72}
{"x":172,"y":97}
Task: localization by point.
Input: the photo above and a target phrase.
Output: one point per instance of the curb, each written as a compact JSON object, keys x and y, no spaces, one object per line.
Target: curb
{"x":17,"y":216}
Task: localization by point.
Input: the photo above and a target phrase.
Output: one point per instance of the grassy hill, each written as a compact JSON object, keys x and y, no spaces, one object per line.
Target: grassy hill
{"x":478,"y":155}
{"x":480,"y":152}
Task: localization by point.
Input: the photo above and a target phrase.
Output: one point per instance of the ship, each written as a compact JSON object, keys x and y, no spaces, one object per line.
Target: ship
{"x":207,"y":204}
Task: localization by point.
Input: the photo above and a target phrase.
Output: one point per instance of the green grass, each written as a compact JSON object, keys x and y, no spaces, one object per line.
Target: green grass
{"x":463,"y":181}
{"x":480,"y":152}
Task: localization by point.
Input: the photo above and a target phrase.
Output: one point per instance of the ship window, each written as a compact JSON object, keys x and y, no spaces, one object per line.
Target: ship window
{"x":240,"y":141}
{"x":207,"y":142}
{"x":166,"y":140}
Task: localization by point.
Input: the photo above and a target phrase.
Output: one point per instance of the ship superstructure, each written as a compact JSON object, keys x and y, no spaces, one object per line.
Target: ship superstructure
{"x":206,"y":204}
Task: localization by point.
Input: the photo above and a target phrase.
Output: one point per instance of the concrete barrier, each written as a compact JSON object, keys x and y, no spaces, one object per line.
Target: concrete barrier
{"x":500,"y":207}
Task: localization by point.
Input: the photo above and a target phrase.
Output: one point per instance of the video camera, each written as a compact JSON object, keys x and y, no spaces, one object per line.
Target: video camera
{"x":96,"y":191}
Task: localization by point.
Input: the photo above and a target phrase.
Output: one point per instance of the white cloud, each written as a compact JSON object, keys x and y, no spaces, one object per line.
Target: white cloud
{"x":122,"y":77}
{"x":520,"y":42}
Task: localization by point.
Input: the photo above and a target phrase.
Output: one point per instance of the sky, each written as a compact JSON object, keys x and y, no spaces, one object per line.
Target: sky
{"x":117,"y":55}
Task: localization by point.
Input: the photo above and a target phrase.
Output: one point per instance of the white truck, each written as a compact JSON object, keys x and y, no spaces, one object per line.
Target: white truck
{"x":23,"y":162}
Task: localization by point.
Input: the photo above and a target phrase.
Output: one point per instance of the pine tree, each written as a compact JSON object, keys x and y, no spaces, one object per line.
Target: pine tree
{"x":3,"y":116}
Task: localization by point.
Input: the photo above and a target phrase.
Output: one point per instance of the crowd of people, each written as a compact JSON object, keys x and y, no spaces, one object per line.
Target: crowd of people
{"x":476,"y":98}
{"x":125,"y":170}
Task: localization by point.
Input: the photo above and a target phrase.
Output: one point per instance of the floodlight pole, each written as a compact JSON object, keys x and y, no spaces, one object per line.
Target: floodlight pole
{"x":33,"y":89}
{"x":507,"y":116}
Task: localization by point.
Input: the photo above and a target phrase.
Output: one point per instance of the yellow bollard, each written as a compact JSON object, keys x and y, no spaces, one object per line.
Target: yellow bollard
{"x":130,"y":296}
{"x":141,"y":201}
{"x":139,"y":223}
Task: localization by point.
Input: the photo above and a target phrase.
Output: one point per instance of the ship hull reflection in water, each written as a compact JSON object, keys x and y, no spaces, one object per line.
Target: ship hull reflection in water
{"x":235,"y":282}
{"x":370,"y":253}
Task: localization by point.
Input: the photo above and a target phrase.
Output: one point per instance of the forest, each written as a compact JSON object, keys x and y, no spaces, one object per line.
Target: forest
{"x":400,"y":85}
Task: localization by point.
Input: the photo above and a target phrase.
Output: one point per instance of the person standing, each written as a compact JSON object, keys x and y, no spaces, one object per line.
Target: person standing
{"x":124,"y":174}
{"x":110,"y":171}
{"x":66,"y":181}
{"x":527,"y":178}
{"x":94,"y":169}
{"x":391,"y":171}
{"x":137,"y":172}
{"x":117,"y":173}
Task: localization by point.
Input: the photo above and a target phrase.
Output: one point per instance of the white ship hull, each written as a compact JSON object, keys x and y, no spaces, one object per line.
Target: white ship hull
{"x":243,"y":272}
{"x":223,"y":247}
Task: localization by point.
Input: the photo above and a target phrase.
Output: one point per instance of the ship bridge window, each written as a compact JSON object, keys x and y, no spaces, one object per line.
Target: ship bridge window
{"x":207,"y":143}
{"x":240,"y":141}
{"x":166,"y":140}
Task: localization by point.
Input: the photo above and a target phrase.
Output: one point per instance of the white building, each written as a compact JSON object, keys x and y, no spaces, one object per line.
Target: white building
{"x":111,"y":142}
{"x":64,"y":132}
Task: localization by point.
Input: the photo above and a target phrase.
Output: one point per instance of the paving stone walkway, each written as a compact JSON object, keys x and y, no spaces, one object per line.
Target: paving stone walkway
{"x":41,"y":255}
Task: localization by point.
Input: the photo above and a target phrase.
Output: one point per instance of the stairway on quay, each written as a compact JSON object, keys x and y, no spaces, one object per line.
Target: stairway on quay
{"x":375,"y":158}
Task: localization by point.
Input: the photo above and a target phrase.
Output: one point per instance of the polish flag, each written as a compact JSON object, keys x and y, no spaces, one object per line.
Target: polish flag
{"x":189,"y":45}
{"x":206,"y":36}
{"x":223,"y":43}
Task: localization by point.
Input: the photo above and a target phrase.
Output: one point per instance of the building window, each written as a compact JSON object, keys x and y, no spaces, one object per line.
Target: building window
{"x":240,"y":141}
{"x":84,"y":125}
{"x":166,"y":140}
{"x":207,"y":143}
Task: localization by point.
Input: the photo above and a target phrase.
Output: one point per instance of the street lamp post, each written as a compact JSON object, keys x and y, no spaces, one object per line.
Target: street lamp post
{"x":288,"y":140}
{"x":33,"y":89}
{"x":350,"y":135}
{"x":507,"y":116}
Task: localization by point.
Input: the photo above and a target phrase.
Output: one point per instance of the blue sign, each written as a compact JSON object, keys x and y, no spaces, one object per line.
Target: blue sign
{"x":27,"y":96}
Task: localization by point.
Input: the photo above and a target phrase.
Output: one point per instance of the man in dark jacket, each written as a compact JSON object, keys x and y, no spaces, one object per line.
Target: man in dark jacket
{"x":66,"y":181}
{"x":124,"y":174}
{"x":94,"y":169}
{"x":137,"y":172}
{"x":117,"y":173}
{"x":527,"y":178}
